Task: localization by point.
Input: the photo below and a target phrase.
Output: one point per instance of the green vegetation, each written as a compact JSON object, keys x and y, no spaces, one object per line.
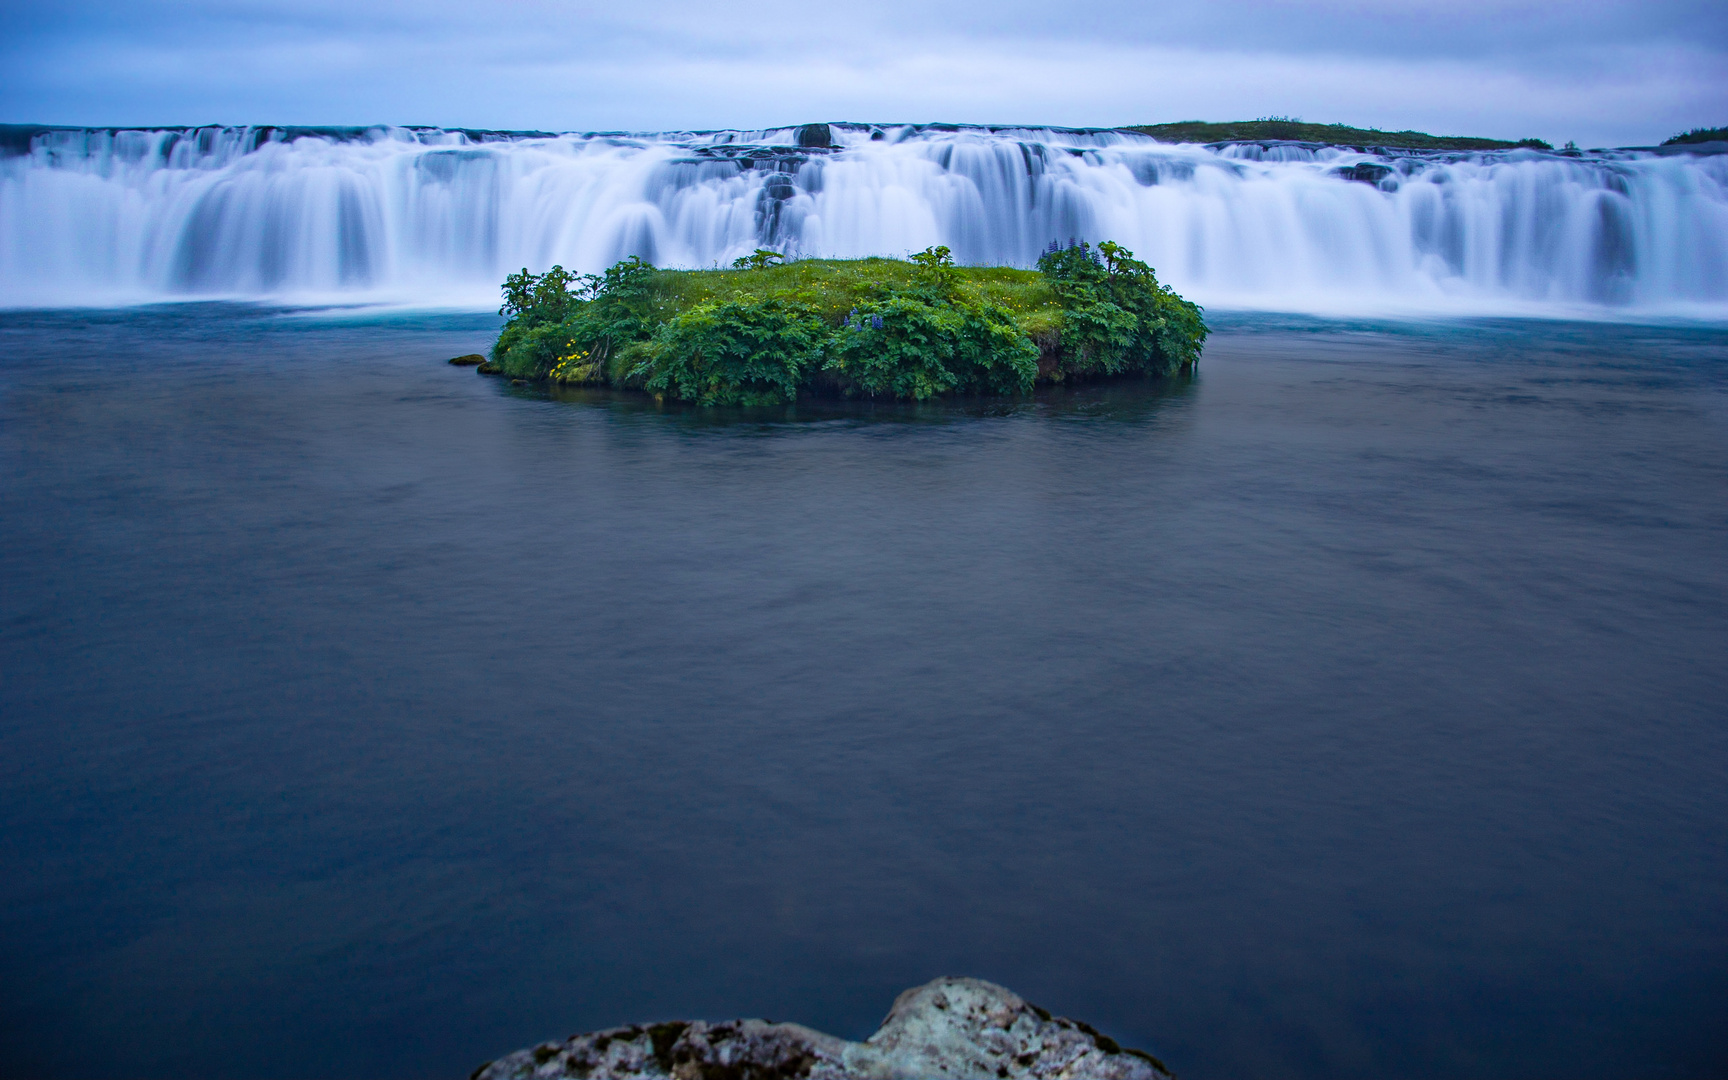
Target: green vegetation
{"x":1288,"y":128}
{"x":662,"y":1037}
{"x":1697,"y":135}
{"x":768,"y":331}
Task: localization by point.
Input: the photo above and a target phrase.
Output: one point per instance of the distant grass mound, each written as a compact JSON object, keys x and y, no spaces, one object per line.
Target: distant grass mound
{"x":1698,"y":135}
{"x":1198,"y":131}
{"x":769,"y":331}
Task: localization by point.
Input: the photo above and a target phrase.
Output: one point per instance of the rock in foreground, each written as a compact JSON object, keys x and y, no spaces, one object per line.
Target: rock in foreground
{"x":946,"y":1028}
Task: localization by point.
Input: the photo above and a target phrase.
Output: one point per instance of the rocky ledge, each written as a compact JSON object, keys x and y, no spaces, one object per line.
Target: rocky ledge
{"x":946,"y":1028}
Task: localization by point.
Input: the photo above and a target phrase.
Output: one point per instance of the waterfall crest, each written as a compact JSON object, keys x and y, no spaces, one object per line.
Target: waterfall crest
{"x":431,"y":216}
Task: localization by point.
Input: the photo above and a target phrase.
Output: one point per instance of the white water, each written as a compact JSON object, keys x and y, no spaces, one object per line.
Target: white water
{"x":438,"y":218}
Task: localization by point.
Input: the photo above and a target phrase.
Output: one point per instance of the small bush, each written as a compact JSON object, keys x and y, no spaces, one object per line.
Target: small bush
{"x":908,"y":347}
{"x":569,"y":328}
{"x":1117,"y":317}
{"x":741,"y":352}
{"x":760,"y":259}
{"x":540,"y":298}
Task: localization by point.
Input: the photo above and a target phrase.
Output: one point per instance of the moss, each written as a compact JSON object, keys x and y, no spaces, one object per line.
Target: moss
{"x":1105,"y":1042}
{"x":799,"y":1065}
{"x":1200,"y":131}
{"x":470,"y":360}
{"x":624,"y":1034}
{"x":663,"y":1036}
{"x":1111,"y":1046}
{"x":1143,"y":1055}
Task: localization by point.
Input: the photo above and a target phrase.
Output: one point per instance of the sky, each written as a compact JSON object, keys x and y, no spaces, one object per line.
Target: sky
{"x":1608,"y":73}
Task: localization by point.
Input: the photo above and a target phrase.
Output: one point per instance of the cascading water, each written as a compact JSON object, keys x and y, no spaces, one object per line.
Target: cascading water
{"x":438,"y":217}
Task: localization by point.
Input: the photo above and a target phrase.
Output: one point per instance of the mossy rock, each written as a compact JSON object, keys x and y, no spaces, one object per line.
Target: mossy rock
{"x":473,"y":359}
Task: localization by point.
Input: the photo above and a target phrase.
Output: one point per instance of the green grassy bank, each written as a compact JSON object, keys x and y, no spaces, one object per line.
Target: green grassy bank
{"x":1197,"y":131}
{"x":768,"y":331}
{"x":1698,"y":135}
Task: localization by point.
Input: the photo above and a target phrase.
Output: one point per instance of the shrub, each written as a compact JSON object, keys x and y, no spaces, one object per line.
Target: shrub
{"x":758,"y":260}
{"x":570,"y":328}
{"x":739,"y":352}
{"x":541,"y":298}
{"x":1116,"y":316}
{"x":908,"y":347}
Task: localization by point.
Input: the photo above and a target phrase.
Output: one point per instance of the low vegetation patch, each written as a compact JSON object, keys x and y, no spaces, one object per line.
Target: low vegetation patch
{"x":768,"y":331}
{"x":1698,"y":135}
{"x":1293,"y":130}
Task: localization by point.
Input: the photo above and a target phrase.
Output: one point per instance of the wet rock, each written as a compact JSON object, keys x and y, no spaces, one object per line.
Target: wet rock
{"x":815,"y":135}
{"x":1365,"y":173}
{"x":473,"y":359}
{"x":946,"y":1028}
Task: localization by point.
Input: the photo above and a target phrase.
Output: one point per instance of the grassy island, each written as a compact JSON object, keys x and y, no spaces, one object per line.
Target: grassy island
{"x":767,"y":330}
{"x":1276,"y":128}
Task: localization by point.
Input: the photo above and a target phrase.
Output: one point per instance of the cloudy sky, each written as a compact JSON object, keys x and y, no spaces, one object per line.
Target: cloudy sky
{"x":1617,"y":72}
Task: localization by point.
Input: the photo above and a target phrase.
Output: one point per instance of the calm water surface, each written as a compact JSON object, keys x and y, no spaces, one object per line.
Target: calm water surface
{"x":1357,"y":708}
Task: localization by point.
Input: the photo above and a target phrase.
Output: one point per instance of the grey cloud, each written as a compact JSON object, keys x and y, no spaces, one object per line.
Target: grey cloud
{"x":678,"y":63}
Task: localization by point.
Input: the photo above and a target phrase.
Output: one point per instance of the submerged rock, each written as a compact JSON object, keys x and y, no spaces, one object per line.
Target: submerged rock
{"x":473,"y":359}
{"x":946,"y":1028}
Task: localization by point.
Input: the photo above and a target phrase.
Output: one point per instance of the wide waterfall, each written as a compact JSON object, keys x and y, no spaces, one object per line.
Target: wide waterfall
{"x":435,"y":217}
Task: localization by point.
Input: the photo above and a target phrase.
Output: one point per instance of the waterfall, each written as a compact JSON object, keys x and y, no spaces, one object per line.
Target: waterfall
{"x":437,"y":217}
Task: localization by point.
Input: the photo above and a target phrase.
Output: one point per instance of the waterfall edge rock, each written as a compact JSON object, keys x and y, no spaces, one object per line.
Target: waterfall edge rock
{"x":815,"y":136}
{"x":948,"y":1027}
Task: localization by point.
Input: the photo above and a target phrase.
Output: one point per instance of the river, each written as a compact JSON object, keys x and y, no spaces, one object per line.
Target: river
{"x":1354,"y":708}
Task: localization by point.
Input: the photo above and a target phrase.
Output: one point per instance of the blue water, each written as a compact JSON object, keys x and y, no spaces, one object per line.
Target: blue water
{"x":1358,"y":708}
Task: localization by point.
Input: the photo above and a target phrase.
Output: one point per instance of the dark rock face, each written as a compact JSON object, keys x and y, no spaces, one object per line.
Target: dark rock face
{"x":471,"y":360}
{"x":946,"y":1028}
{"x":1366,"y":173}
{"x":816,"y":135}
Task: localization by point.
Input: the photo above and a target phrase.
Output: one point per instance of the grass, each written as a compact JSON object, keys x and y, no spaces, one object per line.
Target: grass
{"x":1200,"y":131}
{"x":836,"y":286}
